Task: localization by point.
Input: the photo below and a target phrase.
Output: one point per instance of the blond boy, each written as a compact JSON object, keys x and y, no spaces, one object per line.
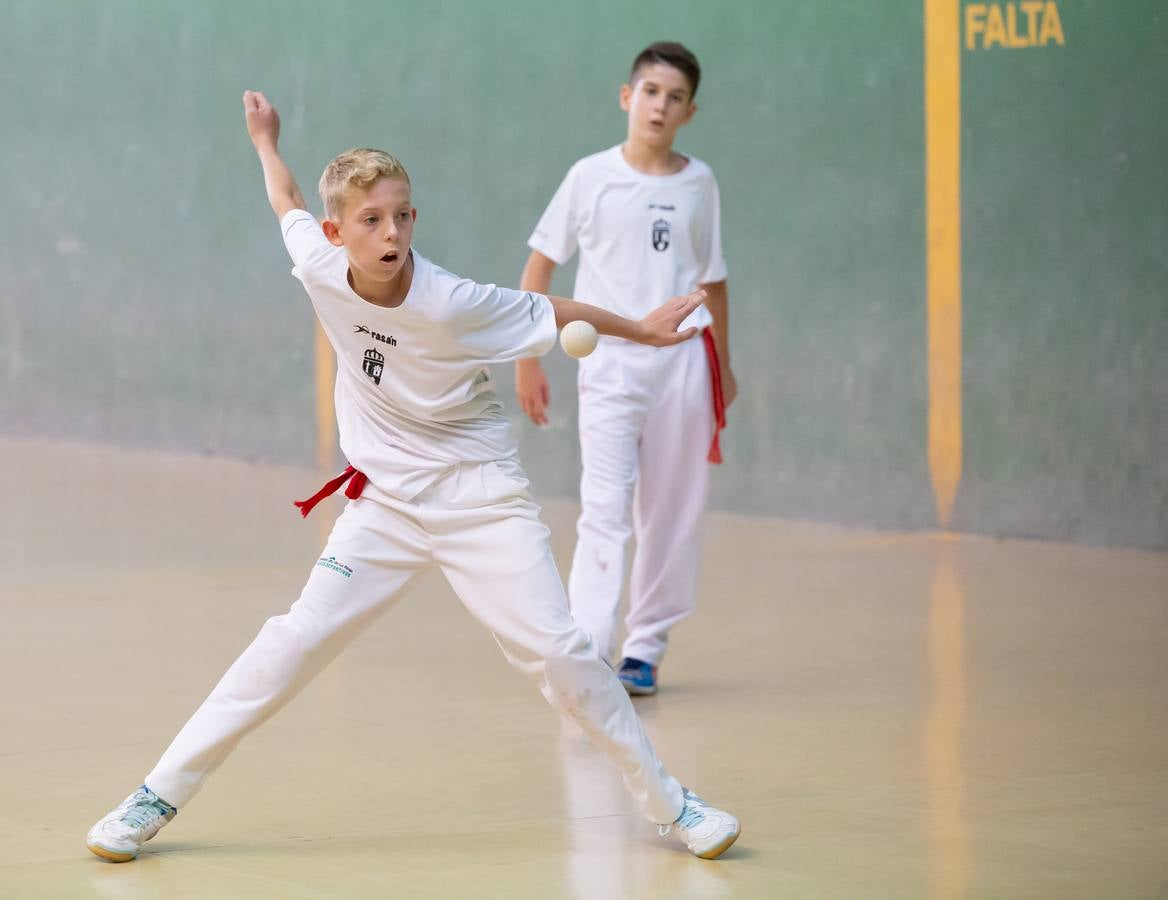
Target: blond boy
{"x":434,"y":481}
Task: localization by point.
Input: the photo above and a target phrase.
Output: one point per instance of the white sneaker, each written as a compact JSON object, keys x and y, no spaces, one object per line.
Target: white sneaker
{"x":120,"y":835}
{"x":708,"y":832}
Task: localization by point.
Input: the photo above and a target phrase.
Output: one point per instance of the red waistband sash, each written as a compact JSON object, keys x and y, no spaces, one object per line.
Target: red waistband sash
{"x":353,"y":491}
{"x":715,"y":455}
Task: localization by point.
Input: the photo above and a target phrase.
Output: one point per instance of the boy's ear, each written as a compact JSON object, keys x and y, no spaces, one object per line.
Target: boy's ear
{"x":626,"y":96}
{"x":693,"y":108}
{"x":332,"y":232}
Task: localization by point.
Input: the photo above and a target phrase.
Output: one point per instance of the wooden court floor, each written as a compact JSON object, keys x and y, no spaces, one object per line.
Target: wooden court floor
{"x":890,"y":715}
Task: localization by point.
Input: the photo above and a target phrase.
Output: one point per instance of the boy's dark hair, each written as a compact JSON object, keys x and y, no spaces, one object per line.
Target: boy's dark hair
{"x":673,"y":54}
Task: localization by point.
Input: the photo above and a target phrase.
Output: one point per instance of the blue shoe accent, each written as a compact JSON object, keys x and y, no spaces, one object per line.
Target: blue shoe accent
{"x":638,"y":677}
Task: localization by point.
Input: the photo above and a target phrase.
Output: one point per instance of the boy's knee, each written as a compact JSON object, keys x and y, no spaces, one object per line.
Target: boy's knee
{"x":533,"y":652}
{"x":301,"y":629}
{"x":581,"y":685}
{"x":283,"y":631}
{"x":610,"y":519}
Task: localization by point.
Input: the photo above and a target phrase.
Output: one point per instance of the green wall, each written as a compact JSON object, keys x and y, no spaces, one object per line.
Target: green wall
{"x":146,"y":298}
{"x":1065,"y":214}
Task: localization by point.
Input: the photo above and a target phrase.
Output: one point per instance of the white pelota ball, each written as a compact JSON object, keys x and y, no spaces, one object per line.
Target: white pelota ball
{"x":578,"y":338}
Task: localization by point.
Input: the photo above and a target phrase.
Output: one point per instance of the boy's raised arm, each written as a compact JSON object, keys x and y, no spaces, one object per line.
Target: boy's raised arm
{"x":263,"y":127}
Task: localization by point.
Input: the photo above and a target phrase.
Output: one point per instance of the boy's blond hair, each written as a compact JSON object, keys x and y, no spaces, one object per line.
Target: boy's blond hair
{"x":361,"y":167}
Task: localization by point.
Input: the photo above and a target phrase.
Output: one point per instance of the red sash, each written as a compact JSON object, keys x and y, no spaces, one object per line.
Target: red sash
{"x":715,"y":455}
{"x":353,"y":491}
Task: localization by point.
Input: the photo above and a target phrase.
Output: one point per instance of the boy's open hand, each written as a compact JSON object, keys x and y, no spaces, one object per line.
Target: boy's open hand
{"x":659,"y":328}
{"x":263,"y":122}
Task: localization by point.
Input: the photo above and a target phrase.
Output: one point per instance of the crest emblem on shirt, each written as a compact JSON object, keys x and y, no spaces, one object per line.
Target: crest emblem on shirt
{"x":660,"y":235}
{"x":374,"y":365}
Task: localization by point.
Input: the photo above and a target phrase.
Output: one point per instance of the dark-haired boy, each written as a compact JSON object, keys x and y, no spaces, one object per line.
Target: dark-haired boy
{"x":646,"y":222}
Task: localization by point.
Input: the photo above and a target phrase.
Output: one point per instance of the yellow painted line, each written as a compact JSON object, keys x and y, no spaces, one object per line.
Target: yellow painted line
{"x":943,"y":247}
{"x":326,"y":414}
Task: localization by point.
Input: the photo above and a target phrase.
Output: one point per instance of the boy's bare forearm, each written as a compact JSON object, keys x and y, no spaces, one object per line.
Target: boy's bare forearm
{"x":718,"y":303}
{"x":601,"y":319}
{"x":537,"y":278}
{"x":283,"y":192}
{"x":658,"y":329}
{"x":263,"y":127}
{"x":537,"y":274}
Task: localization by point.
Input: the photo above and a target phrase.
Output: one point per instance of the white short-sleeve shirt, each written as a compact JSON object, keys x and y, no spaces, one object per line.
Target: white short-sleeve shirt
{"x":413,"y":393}
{"x":642,"y":238}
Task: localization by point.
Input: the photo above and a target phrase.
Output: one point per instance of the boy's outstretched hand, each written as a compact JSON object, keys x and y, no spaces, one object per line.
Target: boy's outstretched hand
{"x":263,"y":126}
{"x":263,"y":122}
{"x":659,"y":328}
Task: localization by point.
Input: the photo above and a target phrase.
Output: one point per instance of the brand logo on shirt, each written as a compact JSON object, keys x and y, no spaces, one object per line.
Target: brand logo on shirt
{"x":376,"y":335}
{"x":374,"y":365}
{"x":660,"y":235}
{"x":330,"y":563}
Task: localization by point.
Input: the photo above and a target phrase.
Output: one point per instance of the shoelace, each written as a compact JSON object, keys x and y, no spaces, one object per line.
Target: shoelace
{"x":143,"y":812}
{"x":690,"y":816}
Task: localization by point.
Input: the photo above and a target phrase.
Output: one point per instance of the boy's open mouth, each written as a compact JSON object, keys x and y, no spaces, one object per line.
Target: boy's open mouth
{"x":389,"y":258}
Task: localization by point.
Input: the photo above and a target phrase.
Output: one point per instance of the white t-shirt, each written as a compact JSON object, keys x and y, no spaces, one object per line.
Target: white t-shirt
{"x":413,"y":395}
{"x":642,"y":238}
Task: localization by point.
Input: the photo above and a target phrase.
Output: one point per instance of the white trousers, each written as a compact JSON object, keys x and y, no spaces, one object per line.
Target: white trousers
{"x":479,"y":524}
{"x":646,"y":422}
